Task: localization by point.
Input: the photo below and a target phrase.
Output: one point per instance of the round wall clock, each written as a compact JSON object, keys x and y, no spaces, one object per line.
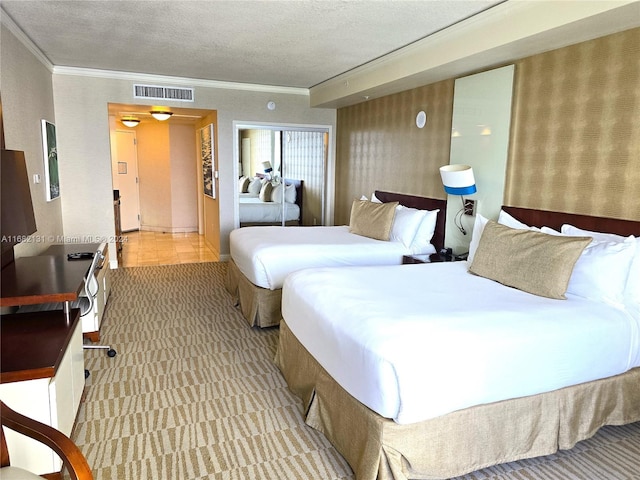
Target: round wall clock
{"x":421,"y":119}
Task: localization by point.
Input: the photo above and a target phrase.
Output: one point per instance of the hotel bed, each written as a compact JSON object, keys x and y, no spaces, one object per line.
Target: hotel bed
{"x":256,"y":210}
{"x":429,"y":371}
{"x":262,"y":257}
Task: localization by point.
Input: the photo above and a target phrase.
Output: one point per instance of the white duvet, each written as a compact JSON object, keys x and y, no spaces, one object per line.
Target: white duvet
{"x":266,"y":255}
{"x":413,"y":342}
{"x":252,"y":209}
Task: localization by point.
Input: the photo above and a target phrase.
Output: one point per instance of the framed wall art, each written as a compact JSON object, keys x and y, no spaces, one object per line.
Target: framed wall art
{"x":50,"y":153}
{"x":207,"y":152}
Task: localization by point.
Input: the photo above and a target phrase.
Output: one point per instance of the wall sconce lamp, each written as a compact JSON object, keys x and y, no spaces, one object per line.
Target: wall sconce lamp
{"x":459,"y":180}
{"x":130,"y":122}
{"x":161,"y":115}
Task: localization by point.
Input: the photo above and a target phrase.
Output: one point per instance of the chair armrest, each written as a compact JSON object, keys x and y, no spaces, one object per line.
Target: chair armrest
{"x":70,"y":454}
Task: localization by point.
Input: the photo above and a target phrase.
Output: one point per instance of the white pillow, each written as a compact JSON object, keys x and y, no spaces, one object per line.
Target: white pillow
{"x":254,"y":186}
{"x":422,"y":241}
{"x":508,"y":220}
{"x":375,"y":199}
{"x":632,"y":289}
{"x":478,"y":227}
{"x":405,"y":224}
{"x":290,"y":193}
{"x":276,"y":194}
{"x":601,"y":270}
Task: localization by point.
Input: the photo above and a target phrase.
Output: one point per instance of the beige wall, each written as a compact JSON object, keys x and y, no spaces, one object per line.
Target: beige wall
{"x":154,"y":174}
{"x":575,"y":141}
{"x":27,"y":98}
{"x":184,"y":176}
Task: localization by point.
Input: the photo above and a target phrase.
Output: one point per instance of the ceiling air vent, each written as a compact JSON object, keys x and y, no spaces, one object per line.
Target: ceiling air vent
{"x":163,"y":93}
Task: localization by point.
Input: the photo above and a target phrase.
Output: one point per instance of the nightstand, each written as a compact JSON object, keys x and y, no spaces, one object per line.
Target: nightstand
{"x":432,"y":258}
{"x":425,"y":258}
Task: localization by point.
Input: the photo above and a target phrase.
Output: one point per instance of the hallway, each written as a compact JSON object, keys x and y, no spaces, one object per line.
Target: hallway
{"x":157,"y":248}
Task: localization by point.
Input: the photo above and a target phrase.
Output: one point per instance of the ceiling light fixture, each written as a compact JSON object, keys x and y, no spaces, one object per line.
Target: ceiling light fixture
{"x":130,"y":122}
{"x":161,"y":115}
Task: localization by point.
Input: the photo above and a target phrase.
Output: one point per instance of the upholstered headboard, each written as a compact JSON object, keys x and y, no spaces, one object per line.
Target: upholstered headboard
{"x":422,"y":203}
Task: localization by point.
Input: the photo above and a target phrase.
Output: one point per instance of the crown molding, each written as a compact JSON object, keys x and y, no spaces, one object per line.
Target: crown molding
{"x":177,"y":81}
{"x":8,"y":22}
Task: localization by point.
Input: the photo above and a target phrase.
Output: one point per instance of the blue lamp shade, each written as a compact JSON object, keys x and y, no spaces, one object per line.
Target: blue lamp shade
{"x":267,"y":167}
{"x":458,"y":179}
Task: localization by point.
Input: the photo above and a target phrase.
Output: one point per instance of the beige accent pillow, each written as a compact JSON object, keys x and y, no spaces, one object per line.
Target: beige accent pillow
{"x":244,"y":184}
{"x":373,"y":220}
{"x":530,"y":261}
{"x":265,"y":192}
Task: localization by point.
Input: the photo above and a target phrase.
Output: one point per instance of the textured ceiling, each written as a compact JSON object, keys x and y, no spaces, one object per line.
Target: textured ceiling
{"x":270,"y":42}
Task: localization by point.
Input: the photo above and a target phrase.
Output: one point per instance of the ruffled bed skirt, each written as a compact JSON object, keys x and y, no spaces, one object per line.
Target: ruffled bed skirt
{"x":377,"y":448}
{"x":259,"y":306}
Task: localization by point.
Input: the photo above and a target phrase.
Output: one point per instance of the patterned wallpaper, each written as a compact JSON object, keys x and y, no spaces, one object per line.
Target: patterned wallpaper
{"x":575,"y":134}
{"x":379,"y":146}
{"x":575,"y":139}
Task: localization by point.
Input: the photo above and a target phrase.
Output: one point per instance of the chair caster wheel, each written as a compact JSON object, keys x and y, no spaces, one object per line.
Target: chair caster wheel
{"x":86,"y":374}
{"x":111,"y":352}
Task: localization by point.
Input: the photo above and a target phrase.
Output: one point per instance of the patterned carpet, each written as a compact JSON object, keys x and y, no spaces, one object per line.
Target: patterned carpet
{"x":193,"y":394}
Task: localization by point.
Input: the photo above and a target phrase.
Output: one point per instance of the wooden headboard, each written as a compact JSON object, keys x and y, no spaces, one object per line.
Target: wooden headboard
{"x":422,"y":203}
{"x":555,"y":220}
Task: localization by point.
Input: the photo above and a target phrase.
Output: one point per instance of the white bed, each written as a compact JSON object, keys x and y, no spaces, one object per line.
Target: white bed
{"x":266,"y":255}
{"x":261,"y":204}
{"x":430,"y":371}
{"x":253,"y":211}
{"x":262,"y":257}
{"x":392,"y":344}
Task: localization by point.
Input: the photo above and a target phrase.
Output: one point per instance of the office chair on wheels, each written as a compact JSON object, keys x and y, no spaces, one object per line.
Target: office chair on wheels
{"x":86,"y":302}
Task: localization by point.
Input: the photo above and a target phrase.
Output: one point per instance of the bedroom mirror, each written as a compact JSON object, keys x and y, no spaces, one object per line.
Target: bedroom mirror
{"x":281,"y":175}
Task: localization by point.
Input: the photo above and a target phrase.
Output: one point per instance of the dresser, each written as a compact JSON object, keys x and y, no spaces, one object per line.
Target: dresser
{"x":42,"y":376}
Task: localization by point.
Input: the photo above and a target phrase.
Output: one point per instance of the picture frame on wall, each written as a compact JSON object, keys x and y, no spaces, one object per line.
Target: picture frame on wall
{"x":207,"y":152}
{"x":50,"y":154}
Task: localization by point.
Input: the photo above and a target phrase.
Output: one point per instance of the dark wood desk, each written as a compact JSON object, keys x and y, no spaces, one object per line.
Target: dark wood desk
{"x":47,"y":278}
{"x":32,"y":344}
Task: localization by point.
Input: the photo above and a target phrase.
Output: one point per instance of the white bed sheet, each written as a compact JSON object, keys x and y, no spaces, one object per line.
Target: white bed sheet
{"x":252,"y":209}
{"x":266,"y":255}
{"x":414,"y":342}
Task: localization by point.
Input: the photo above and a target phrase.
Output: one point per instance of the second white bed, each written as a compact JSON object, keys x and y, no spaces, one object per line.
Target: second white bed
{"x":415,"y":342}
{"x":266,"y":255}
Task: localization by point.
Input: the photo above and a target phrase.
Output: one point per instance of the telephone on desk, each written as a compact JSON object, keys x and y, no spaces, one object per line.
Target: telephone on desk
{"x":80,"y":256}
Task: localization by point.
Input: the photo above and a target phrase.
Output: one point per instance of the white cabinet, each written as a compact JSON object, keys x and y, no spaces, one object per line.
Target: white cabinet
{"x":52,"y":400}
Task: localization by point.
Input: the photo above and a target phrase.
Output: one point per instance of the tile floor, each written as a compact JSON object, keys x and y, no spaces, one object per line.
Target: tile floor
{"x":156,"y":248}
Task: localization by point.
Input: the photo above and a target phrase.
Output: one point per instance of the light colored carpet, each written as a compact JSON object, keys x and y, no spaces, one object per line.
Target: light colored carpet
{"x":193,"y":394}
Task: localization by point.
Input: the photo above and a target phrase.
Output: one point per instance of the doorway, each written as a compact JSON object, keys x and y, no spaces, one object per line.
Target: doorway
{"x":169,"y":172}
{"x":126,"y":172}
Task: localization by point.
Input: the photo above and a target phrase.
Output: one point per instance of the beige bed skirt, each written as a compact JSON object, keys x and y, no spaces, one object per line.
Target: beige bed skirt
{"x":462,"y":441}
{"x":259,"y":306}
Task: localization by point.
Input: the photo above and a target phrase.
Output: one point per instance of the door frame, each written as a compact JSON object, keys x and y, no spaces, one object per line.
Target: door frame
{"x":114,"y":171}
{"x":328,"y":191}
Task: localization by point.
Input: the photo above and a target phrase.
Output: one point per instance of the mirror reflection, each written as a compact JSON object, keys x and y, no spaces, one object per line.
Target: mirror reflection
{"x":281,"y":177}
